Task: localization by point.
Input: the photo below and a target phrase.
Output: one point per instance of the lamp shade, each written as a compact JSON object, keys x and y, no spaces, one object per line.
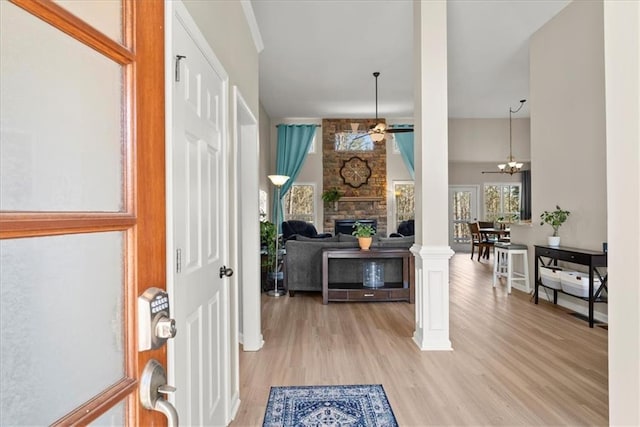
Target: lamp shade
{"x":278,"y":180}
{"x":377,"y":137}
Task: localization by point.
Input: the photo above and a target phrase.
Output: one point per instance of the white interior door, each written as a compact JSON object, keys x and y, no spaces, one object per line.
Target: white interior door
{"x":200,"y":232}
{"x":463,"y":208}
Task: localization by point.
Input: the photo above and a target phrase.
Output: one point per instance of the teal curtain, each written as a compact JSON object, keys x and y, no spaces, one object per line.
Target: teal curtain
{"x":405,"y":145}
{"x":293,"y":145}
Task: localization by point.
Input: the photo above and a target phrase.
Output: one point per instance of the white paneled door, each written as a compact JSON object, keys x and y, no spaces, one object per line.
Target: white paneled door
{"x":199,"y":200}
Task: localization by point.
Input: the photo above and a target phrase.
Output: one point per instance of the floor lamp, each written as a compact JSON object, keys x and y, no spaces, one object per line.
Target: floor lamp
{"x":278,"y":181}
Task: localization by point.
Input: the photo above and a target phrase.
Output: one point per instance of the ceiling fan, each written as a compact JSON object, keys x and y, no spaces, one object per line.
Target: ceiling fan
{"x":377,"y":132}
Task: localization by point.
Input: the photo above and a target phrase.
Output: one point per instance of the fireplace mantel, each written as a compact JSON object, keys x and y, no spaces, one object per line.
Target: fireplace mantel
{"x":360,"y":199}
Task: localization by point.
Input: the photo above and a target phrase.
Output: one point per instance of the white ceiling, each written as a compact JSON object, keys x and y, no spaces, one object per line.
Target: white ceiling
{"x":319,"y":56}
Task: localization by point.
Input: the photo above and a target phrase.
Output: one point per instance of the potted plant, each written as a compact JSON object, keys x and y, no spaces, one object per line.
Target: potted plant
{"x":364,"y":233}
{"x":555,"y":219}
{"x":268,"y":243}
{"x":332,"y":195}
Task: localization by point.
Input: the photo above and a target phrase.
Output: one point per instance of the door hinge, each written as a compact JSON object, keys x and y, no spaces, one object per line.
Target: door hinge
{"x":178,"y":59}
{"x":178,"y":260}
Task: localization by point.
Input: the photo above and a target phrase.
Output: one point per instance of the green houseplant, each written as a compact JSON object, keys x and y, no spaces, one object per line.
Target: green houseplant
{"x":332,"y":195}
{"x":268,"y":242}
{"x":364,"y":233}
{"x":555,"y":219}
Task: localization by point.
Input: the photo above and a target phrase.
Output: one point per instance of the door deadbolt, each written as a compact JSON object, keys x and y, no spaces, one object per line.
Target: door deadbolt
{"x":155,"y":326}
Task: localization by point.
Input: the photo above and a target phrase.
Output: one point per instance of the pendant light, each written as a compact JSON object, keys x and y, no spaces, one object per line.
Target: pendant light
{"x":512,"y":166}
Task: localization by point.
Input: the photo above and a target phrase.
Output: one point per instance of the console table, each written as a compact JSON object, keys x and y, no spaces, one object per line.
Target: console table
{"x":592,"y":259}
{"x":394,"y":291}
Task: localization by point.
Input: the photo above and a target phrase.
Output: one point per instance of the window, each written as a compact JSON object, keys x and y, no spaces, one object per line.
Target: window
{"x":353,"y":141}
{"x":312,"y":146}
{"x":263,"y":205}
{"x":502,"y":202}
{"x":299,"y":203}
{"x":404,"y":200}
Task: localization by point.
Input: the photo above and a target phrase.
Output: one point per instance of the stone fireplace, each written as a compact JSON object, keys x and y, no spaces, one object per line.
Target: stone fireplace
{"x":368,"y":200}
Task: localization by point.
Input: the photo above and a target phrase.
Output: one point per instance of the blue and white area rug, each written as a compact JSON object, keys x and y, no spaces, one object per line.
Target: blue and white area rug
{"x":337,"y":405}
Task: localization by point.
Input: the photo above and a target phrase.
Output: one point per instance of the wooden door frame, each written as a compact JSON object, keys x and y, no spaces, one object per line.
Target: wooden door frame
{"x":143,"y":215}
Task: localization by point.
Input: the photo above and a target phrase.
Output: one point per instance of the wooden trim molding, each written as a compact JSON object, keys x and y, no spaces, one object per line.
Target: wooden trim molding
{"x":30,"y":224}
{"x":75,"y":27}
{"x":88,"y":412}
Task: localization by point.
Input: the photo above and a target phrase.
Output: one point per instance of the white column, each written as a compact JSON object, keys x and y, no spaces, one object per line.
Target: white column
{"x":622,"y":86}
{"x":431,"y":249}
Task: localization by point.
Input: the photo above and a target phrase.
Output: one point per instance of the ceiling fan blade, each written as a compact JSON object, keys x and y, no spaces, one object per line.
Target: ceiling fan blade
{"x":399,"y":130}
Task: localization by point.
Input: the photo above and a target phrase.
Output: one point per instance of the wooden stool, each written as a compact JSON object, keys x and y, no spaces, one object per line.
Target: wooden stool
{"x":503,"y":264}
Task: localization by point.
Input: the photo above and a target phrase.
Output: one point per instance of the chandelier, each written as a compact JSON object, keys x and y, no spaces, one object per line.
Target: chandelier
{"x":512,"y":166}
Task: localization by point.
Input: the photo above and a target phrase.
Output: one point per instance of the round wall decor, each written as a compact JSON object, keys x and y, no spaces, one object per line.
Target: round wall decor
{"x":355,"y":172}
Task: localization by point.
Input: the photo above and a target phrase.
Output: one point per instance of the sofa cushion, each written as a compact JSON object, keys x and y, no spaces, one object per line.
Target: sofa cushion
{"x":350,"y":238}
{"x":302,"y":238}
{"x":394,"y":242}
{"x":347,"y":238}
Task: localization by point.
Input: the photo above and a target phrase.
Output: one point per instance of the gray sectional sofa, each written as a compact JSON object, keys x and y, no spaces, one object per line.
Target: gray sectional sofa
{"x":303,"y":262}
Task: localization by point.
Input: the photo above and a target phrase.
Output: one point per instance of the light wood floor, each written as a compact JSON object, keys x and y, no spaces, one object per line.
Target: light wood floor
{"x":513,"y":363}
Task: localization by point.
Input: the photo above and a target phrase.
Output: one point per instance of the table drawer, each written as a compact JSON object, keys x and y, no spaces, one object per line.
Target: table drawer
{"x":368,"y":294}
{"x":561,"y":255}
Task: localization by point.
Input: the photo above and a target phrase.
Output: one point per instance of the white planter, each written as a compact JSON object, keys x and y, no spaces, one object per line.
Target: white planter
{"x":554,"y":240}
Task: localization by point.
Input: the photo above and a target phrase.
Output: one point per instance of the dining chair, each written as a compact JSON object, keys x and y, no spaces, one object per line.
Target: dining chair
{"x":484,"y":245}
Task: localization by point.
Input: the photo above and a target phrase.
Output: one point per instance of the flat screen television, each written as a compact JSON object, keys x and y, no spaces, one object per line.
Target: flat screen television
{"x":345,"y":226}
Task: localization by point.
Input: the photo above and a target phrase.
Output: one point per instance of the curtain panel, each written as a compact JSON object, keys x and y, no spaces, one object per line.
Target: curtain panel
{"x":405,"y":145}
{"x":292,"y":149}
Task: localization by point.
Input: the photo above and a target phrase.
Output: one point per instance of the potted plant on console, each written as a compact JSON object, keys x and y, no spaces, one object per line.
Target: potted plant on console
{"x":555,"y":219}
{"x":364,"y":233}
{"x":332,"y":195}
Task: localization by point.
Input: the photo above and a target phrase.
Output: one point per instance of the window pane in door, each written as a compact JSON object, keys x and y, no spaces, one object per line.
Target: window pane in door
{"x":61,"y":323}
{"x":61,"y":133}
{"x":461,"y":216}
{"x":104,"y":15}
{"x":112,"y":418}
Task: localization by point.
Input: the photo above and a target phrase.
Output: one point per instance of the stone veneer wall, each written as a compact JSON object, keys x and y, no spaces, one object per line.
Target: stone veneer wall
{"x":333,"y":160}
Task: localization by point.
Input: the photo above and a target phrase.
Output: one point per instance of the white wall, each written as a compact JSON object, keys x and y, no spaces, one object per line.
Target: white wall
{"x":568,"y":140}
{"x":266,"y":166}
{"x":487,"y":140}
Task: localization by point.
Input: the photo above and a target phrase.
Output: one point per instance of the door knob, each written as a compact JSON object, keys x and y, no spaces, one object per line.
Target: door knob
{"x":224,"y":271}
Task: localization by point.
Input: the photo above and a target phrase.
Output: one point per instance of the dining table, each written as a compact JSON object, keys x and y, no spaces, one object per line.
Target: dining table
{"x":493,"y":233}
